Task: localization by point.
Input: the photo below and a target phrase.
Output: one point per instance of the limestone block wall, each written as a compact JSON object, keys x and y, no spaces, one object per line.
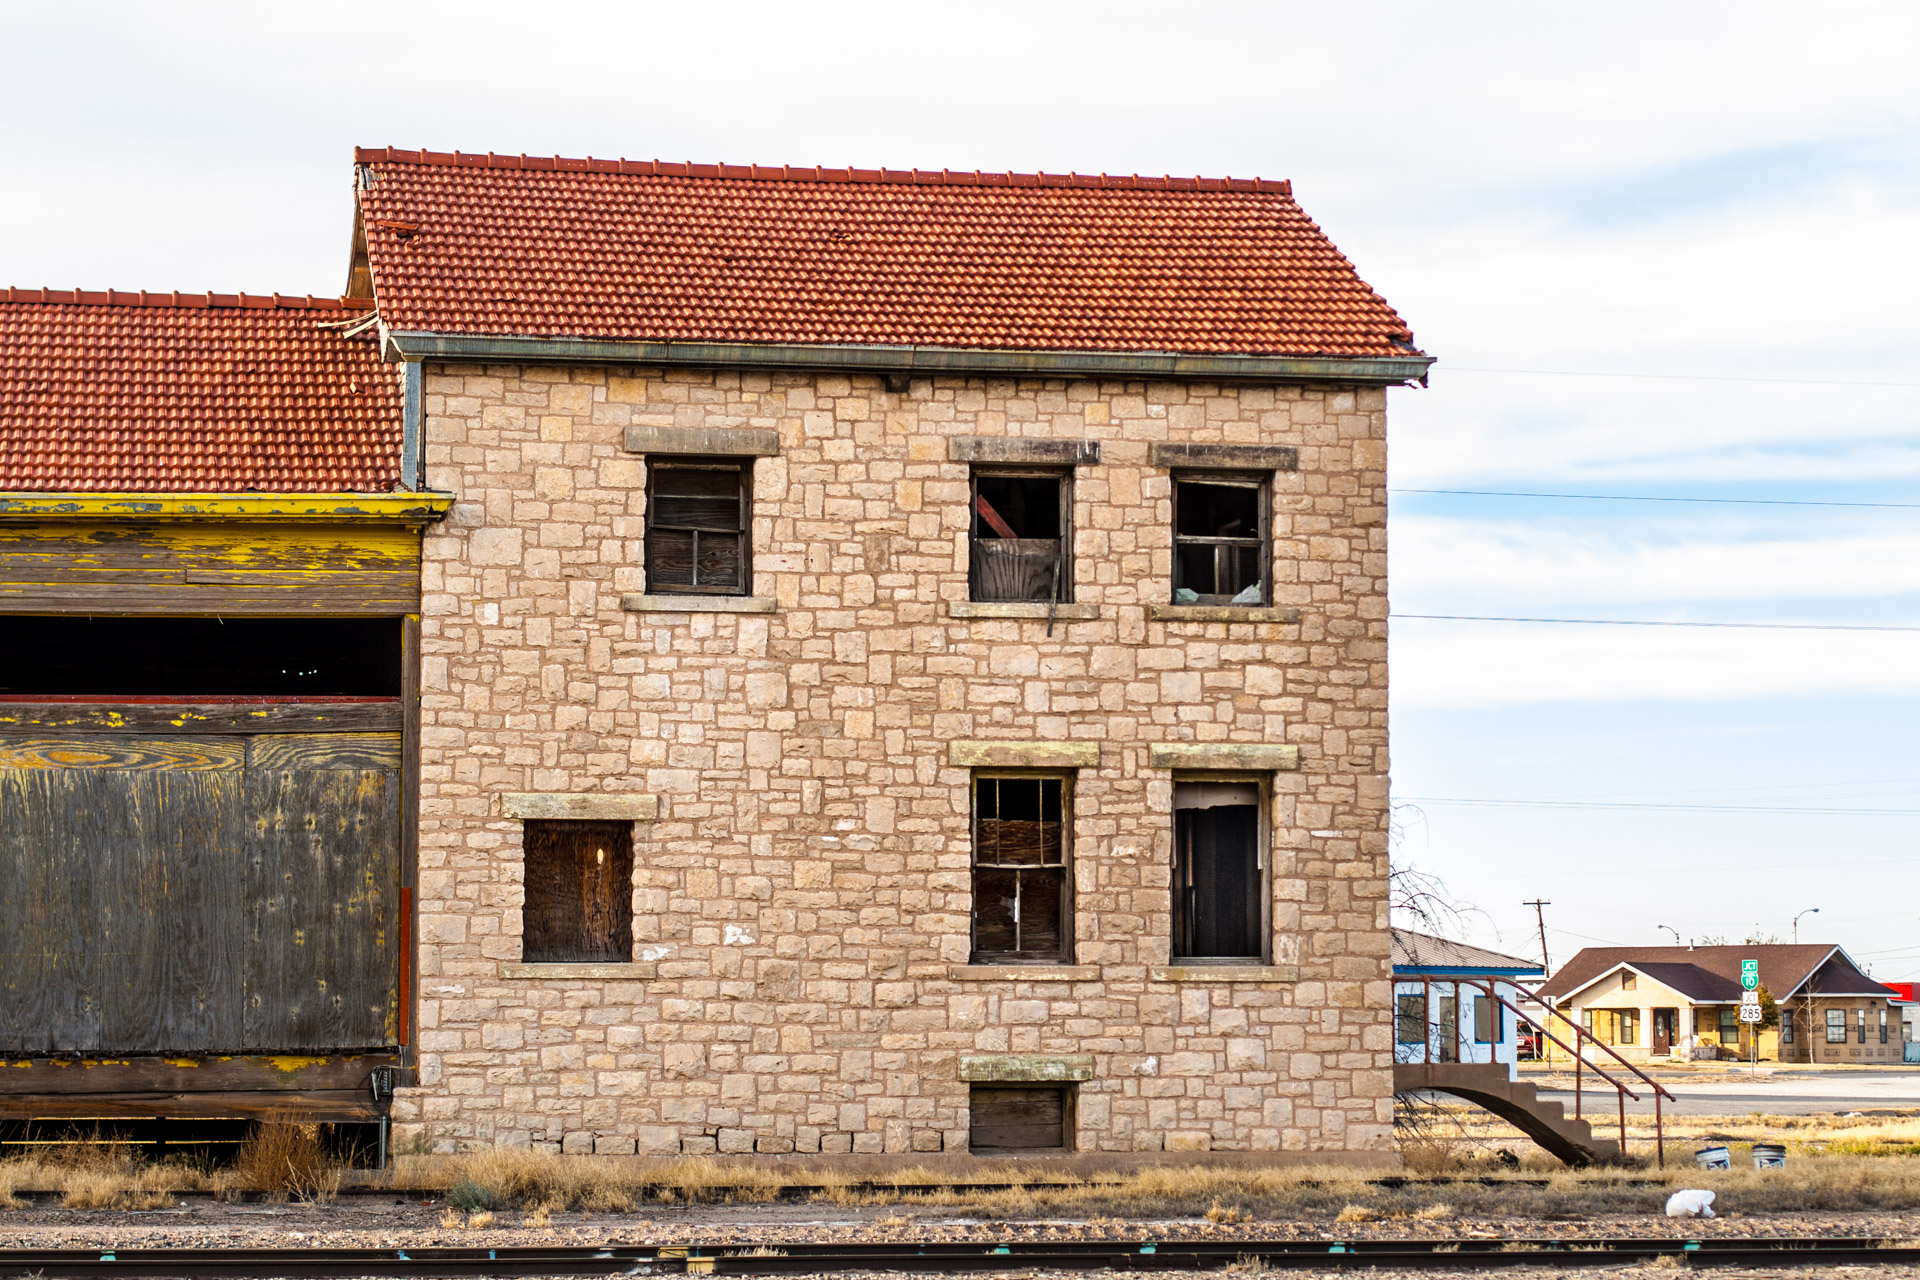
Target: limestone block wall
{"x":801,"y":905}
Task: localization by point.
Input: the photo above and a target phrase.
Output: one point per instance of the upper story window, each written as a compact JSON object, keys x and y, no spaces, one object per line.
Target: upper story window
{"x":1021,"y":535}
{"x":1221,"y":543}
{"x":699,"y":514}
{"x":1219,"y":873}
{"x":1022,"y":829}
{"x":1627,"y":981}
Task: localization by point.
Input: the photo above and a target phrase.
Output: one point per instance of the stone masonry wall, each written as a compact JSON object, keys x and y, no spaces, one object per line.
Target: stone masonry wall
{"x":804,"y":895}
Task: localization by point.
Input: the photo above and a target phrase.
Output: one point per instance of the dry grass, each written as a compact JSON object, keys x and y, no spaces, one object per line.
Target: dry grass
{"x":284,"y":1157}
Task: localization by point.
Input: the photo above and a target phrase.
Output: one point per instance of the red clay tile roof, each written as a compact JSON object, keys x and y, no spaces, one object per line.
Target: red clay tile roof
{"x":646,"y":251}
{"x":193,"y":393}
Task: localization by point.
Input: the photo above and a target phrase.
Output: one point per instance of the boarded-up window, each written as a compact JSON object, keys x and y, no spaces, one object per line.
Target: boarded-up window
{"x":579,"y":892}
{"x":697,"y":522}
{"x":1007,"y":1118}
{"x":1220,"y":540}
{"x":1218,"y":880}
{"x":1021,"y":911}
{"x":1020,"y":536}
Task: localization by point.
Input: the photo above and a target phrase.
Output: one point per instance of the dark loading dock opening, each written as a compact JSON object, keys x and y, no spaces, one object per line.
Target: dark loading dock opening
{"x":199,"y":657}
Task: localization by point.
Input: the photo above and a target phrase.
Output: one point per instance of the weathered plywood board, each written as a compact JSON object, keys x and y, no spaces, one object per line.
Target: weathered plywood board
{"x":65,"y":718}
{"x":293,"y":751}
{"x":198,"y":568}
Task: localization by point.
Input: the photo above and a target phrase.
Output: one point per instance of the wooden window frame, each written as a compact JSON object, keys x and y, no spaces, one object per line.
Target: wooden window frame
{"x":1069,"y":1117}
{"x":620,"y":903}
{"x":1263,"y":864}
{"x":1262,"y":482}
{"x":1066,"y":780}
{"x":1063,"y":564}
{"x":742,"y":467}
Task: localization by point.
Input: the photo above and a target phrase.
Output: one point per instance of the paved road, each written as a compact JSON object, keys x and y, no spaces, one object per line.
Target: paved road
{"x":1781,"y":1093}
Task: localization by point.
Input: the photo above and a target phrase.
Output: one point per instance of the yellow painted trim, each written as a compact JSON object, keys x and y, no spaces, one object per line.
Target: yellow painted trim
{"x":330,"y":508}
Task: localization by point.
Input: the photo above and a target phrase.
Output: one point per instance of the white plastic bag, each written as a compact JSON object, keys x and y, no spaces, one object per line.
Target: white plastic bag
{"x":1690,"y":1204}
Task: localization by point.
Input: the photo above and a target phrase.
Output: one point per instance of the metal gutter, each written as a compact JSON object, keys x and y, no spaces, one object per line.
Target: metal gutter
{"x":328,"y":508}
{"x":413,"y":345}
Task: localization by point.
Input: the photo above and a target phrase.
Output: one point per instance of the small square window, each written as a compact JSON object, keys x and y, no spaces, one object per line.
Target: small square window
{"x":1627,"y":981}
{"x":1219,"y":873}
{"x":1009,"y":1118}
{"x":579,"y":892}
{"x":698,"y":527}
{"x":1220,"y":540}
{"x":1021,"y":535}
{"x":1022,"y":833}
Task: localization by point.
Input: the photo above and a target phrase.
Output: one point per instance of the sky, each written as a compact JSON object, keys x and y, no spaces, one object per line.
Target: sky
{"x":1660,"y":251}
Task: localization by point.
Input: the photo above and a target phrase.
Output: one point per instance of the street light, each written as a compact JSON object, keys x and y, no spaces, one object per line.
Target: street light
{"x":1810,"y":911}
{"x":1670,"y":929}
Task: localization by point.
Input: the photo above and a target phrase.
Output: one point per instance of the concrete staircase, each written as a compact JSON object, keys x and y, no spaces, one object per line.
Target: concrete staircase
{"x":1486,"y":1084}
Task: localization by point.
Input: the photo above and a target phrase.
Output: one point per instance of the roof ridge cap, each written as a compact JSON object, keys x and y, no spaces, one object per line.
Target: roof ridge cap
{"x":817,"y":173}
{"x":147,"y":298}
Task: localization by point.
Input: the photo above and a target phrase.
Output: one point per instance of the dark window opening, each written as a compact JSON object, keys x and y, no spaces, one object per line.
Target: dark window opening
{"x":1020,"y":907}
{"x":579,"y":892}
{"x":1217,"y":880}
{"x":1219,"y":541}
{"x":76,"y":657}
{"x":1020,"y":537}
{"x":698,"y":518}
{"x":1489,"y":1021}
{"x":1410,"y":1019}
{"x":1005,"y":1118}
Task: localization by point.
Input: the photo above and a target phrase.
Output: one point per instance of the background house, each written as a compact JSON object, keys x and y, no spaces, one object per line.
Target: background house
{"x":1454,"y":1002}
{"x":1651,"y":1002}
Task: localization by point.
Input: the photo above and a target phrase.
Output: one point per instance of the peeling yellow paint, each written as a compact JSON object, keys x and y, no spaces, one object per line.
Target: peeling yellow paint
{"x":405,"y":508}
{"x":290,"y":1065}
{"x":181,"y":1062}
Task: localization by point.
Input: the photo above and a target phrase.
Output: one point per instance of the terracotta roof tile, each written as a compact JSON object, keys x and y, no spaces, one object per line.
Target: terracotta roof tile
{"x":642,"y":250}
{"x":193,"y":393}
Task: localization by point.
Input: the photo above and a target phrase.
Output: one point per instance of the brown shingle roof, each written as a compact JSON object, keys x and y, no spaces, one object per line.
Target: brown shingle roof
{"x":1783,"y":968}
{"x":1413,"y":950}
{"x":646,"y":251}
{"x":193,"y":393}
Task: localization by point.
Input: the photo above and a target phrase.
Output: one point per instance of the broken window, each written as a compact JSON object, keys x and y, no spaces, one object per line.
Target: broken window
{"x":579,"y":892}
{"x":1218,"y":872}
{"x":1019,"y":1118}
{"x":698,"y":517}
{"x":1020,"y":536}
{"x":1220,"y":540}
{"x":1020,"y":837}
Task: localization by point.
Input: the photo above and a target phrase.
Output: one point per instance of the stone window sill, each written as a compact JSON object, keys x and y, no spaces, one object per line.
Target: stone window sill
{"x":637,"y":971}
{"x":637,"y":602}
{"x":1026,"y":1067}
{"x":1024,"y":972}
{"x":1219,"y":613}
{"x":1223,"y":973}
{"x":1021,"y":609}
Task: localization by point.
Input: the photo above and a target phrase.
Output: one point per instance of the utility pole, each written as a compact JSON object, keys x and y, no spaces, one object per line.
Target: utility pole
{"x":1539,"y":914}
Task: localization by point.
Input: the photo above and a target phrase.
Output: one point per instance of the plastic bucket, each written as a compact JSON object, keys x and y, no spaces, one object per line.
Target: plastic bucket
{"x":1768,"y":1155}
{"x":1713,"y":1158}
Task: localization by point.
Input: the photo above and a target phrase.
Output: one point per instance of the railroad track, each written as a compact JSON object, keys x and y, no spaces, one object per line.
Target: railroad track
{"x":797,"y":1259}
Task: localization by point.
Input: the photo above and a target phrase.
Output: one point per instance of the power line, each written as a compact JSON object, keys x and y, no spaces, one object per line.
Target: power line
{"x":1677,"y":377}
{"x":1661,"y":806}
{"x":1630,"y":497}
{"x":1651,"y":622}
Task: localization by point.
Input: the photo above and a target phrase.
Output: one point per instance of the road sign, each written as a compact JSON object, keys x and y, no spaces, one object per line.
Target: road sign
{"x":1749,"y":974}
{"x":1750,"y":1013}
{"x":1749,"y":997}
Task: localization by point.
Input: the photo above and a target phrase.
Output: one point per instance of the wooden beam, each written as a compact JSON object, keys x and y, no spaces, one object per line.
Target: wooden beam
{"x":382,"y":716}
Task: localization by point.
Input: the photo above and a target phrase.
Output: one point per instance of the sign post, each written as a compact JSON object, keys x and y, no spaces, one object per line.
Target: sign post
{"x":1750,"y":1011}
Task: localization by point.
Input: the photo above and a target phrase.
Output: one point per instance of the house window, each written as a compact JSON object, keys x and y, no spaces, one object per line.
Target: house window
{"x":1219,"y":873}
{"x":698,"y":518}
{"x":1019,"y":1118}
{"x":1862,"y":1020}
{"x":579,"y":892}
{"x":1836,"y":1026}
{"x":1410,"y":1020}
{"x":1616,"y":1026}
{"x":1488,"y":1021}
{"x":1883,"y":1026}
{"x":1220,"y":539}
{"x":1021,"y":536}
{"x":1730,"y":1026}
{"x":1786,"y":1026}
{"x":1586,"y":1023}
{"x":1022,"y":829}
{"x":1627,"y":981}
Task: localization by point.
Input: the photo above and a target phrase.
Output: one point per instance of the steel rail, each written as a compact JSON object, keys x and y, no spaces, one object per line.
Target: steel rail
{"x":945,"y":1256}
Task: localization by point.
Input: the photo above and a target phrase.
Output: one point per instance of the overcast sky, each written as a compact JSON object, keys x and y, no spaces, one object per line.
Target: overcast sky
{"x":1696,"y":224}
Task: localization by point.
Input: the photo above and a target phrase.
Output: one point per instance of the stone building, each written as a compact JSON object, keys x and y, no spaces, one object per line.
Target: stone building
{"x":905,"y":668}
{"x":751,"y":661}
